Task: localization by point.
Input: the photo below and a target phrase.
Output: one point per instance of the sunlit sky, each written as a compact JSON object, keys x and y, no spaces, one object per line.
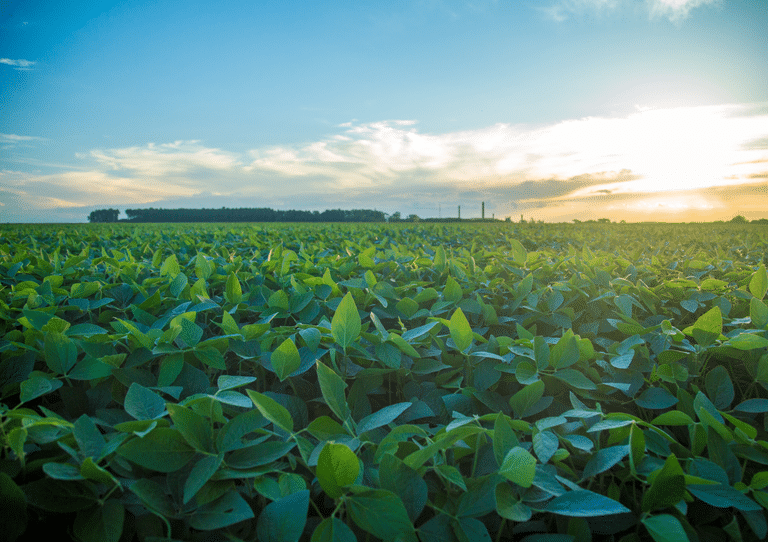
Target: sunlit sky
{"x":555,"y":110}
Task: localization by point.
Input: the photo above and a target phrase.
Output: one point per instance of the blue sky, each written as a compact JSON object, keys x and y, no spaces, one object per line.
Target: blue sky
{"x":555,"y":109}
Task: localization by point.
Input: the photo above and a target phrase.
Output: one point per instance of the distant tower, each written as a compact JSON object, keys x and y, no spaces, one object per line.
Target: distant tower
{"x":482,"y":211}
{"x":459,"y":212}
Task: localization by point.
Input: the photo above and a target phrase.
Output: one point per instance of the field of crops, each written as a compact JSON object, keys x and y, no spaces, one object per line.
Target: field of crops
{"x":406,"y":382}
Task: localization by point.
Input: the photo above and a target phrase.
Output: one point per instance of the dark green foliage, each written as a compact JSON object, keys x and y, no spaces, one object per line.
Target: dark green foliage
{"x":404,"y":381}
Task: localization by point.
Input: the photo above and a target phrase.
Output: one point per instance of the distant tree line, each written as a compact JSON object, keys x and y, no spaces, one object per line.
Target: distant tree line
{"x":239,"y":215}
{"x":104,"y":215}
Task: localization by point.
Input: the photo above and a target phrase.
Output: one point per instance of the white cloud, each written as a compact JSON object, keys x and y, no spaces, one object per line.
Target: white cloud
{"x":19,"y":64}
{"x":674,"y":10}
{"x":154,"y":160}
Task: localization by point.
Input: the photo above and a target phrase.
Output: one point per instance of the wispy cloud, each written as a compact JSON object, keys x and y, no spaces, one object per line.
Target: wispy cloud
{"x":674,"y":10}
{"x":179,"y":157}
{"x":18,"y":64}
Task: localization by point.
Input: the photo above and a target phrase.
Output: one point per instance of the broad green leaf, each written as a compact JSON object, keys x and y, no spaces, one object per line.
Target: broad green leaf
{"x":200,"y":474}
{"x":285,"y":359}
{"x":203,"y":268}
{"x":272,"y":410}
{"x":89,"y":439}
{"x":227,"y":510}
{"x":758,"y":313}
{"x":233,"y":292}
{"x":665,"y":528}
{"x":722,"y":496}
{"x":337,"y":467}
{"x":60,"y":353}
{"x":404,"y":482}
{"x":195,"y":428}
{"x":332,"y":388}
{"x":604,"y":459}
{"x":257,"y":455}
{"x":190,"y":333}
{"x":719,"y":387}
{"x":575,"y":378}
{"x":381,"y":513}
{"x":753,"y":405}
{"x":461,"y":331}
{"x":283,"y":520}
{"x":758,"y":284}
{"x":526,"y":397}
{"x":142,"y":403}
{"x":708,"y":327}
{"x":519,"y":467}
{"x":526,"y":373}
{"x":332,"y":529}
{"x":178,"y":284}
{"x":381,"y":417}
{"x":472,"y":530}
{"x":748,"y":341}
{"x":545,"y":445}
{"x":163,"y":450}
{"x":504,"y":438}
{"x":230,"y":382}
{"x":519,"y":255}
{"x":656,"y":398}
{"x":170,"y":266}
{"x":452,"y":292}
{"x":636,"y":446}
{"x":584,"y":503}
{"x":346,"y":324}
{"x":667,"y":486}
{"x":674,"y":417}
{"x":91,"y":471}
{"x":508,"y":504}
{"x":565,"y":352}
{"x":100,"y":523}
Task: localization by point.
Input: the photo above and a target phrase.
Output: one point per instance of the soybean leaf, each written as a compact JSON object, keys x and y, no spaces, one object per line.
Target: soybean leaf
{"x":404,"y":482}
{"x":142,"y":403}
{"x":60,"y":352}
{"x":337,"y":467}
{"x":722,"y":496}
{"x":346,"y":324}
{"x":604,"y":459}
{"x":100,"y":523}
{"x":333,"y":530}
{"x":656,"y":398}
{"x":381,"y":417}
{"x":665,"y":528}
{"x":381,"y":513}
{"x":461,"y":331}
{"x":200,"y":474}
{"x":233,"y":292}
{"x":227,"y":510}
{"x":667,"y":488}
{"x":584,"y":503}
{"x":163,"y":449}
{"x":332,"y":388}
{"x":195,"y":428}
{"x":758,"y":284}
{"x":526,"y":397}
{"x":283,"y":520}
{"x":272,"y":410}
{"x":708,"y":327}
{"x":719,"y":387}
{"x":519,"y":467}
{"x":285,"y":359}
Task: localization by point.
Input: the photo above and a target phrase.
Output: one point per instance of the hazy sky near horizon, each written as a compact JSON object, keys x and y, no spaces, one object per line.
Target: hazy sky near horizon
{"x":554,"y":109}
